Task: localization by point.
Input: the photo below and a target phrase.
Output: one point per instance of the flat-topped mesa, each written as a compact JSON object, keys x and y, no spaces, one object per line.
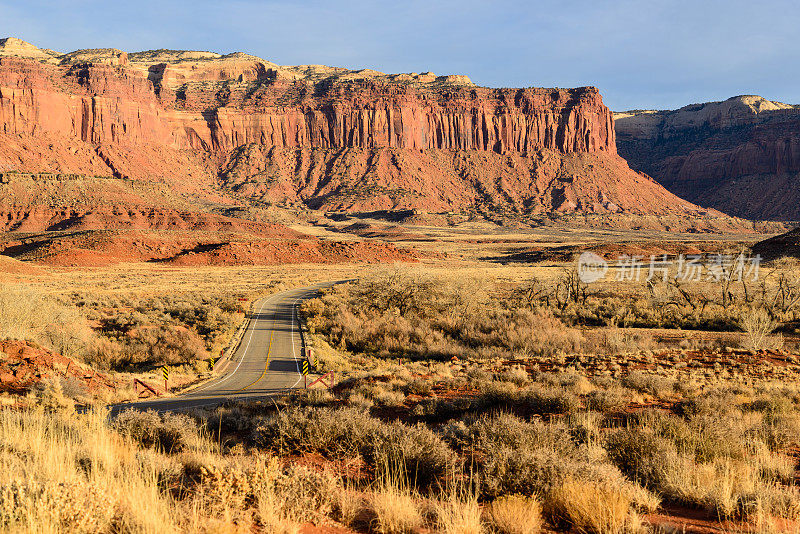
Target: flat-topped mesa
{"x":237,"y":128}
{"x":201,"y":100}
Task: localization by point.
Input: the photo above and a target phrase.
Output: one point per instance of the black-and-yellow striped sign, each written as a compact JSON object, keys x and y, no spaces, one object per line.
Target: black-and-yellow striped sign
{"x":165,"y":372}
{"x":210,"y":363}
{"x":304,"y":367}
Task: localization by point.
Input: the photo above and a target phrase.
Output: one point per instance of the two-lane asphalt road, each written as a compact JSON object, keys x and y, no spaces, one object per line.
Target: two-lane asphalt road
{"x":267,"y":361}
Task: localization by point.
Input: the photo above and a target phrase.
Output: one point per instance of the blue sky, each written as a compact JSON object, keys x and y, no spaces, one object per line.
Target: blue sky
{"x":641,"y":54}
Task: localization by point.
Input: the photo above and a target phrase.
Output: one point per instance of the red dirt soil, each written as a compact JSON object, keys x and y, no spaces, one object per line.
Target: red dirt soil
{"x":24,"y":365}
{"x":98,"y":248}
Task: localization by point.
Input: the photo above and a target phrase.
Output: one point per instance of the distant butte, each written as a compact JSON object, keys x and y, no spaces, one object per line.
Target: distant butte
{"x":741,"y":156}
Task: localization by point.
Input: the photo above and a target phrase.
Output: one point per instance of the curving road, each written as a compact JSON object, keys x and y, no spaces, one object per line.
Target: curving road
{"x":266,"y":362}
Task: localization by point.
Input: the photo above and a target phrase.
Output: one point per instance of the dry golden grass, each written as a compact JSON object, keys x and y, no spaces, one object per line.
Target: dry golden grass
{"x":394,"y":507}
{"x":62,"y":474}
{"x":516,"y":514}
{"x":459,"y":515}
{"x":395,"y":512}
{"x":27,"y":314}
{"x":594,"y":508}
{"x":349,"y":505}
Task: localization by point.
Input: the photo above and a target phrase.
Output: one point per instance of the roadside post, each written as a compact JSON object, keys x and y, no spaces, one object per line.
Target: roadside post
{"x":165,"y":374}
{"x":304,"y":369}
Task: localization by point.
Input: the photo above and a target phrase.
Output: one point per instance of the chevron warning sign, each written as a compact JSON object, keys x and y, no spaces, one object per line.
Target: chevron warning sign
{"x":304,"y":367}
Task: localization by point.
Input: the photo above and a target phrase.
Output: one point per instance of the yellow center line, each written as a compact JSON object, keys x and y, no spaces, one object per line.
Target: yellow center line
{"x":266,"y":365}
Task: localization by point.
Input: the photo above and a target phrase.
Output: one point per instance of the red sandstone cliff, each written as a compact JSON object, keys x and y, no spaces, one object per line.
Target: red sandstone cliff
{"x":325,"y":137}
{"x":100,"y":103}
{"x":741,"y":156}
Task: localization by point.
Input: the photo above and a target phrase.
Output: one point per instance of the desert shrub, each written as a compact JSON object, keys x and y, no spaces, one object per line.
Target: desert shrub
{"x":167,"y":345}
{"x":415,"y":316}
{"x":780,"y":431}
{"x":606,"y":400}
{"x":571,"y":381}
{"x":730,"y":481}
{"x":283,"y":496}
{"x":502,"y":396}
{"x":390,"y":398}
{"x":516,"y":375}
{"x":318,"y":397}
{"x":53,"y":398}
{"x":30,"y":506}
{"x":304,"y":494}
{"x":641,"y":455}
{"x":359,"y":401}
{"x":171,"y":432}
{"x":706,"y":435}
{"x":770,"y":405}
{"x":335,"y":433}
{"x":495,"y":395}
{"x":758,"y":327}
{"x":419,"y":387}
{"x":586,"y":427}
{"x":476,"y":374}
{"x":422,"y":454}
{"x":438,"y":408}
{"x":539,"y":400}
{"x":107,"y":354}
{"x":518,"y":456}
{"x":348,"y":432}
{"x":170,"y":328}
{"x":74,"y":474}
{"x":651,"y":384}
{"x":686,"y":407}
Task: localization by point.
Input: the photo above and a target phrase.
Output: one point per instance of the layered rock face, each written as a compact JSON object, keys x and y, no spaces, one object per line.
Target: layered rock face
{"x":328,"y":138}
{"x":741,"y":156}
{"x":100,"y":103}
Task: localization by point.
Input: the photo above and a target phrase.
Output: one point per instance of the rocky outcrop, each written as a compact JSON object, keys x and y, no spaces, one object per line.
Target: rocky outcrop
{"x":741,"y":156}
{"x":359,"y":180}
